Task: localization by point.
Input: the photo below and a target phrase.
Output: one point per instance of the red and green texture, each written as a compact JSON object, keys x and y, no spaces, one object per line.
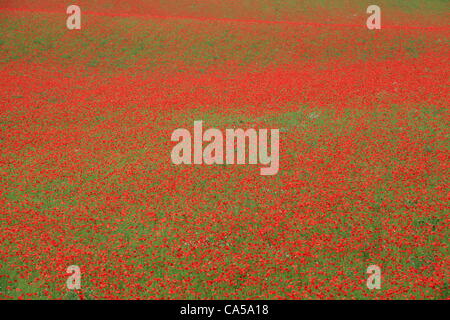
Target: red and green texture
{"x":85,"y":171}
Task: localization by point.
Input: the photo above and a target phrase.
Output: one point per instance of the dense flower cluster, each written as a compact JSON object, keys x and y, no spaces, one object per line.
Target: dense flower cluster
{"x":86,"y":177}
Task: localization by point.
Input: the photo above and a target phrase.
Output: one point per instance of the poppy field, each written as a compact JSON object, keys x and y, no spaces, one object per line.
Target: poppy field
{"x":86,"y":176}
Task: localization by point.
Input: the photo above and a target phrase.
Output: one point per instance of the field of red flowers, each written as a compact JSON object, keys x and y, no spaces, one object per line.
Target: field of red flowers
{"x":86,"y":177}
